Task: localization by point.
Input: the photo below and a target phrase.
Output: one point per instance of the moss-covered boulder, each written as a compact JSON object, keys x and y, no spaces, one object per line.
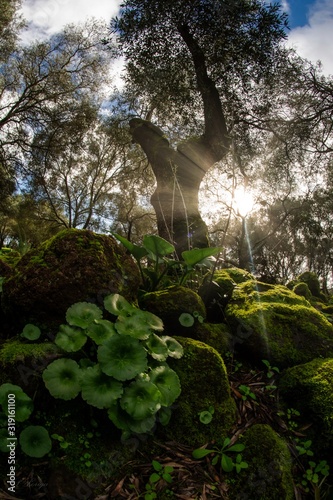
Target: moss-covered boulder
{"x":268,"y":476}
{"x":303,"y":290}
{"x":169,"y":304}
{"x":204,"y":383}
{"x":309,"y":389}
{"x":217,"y":292}
{"x":75,"y":265}
{"x":216,"y":335}
{"x":272,"y":322}
{"x":312,"y":282}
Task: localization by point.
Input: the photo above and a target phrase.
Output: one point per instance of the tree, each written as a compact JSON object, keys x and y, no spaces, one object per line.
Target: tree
{"x":44,"y":84}
{"x":191,"y":68}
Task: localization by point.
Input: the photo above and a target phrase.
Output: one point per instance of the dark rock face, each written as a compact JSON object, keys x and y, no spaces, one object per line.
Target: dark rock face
{"x":75,"y":265}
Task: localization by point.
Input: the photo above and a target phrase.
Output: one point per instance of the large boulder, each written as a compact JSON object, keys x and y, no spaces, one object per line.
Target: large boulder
{"x":272,"y":322}
{"x":309,"y":389}
{"x":73,"y":266}
{"x":269,"y":472}
{"x":204,"y":383}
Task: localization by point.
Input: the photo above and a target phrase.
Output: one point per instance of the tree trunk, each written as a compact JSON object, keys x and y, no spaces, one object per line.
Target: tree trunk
{"x":179,"y":172}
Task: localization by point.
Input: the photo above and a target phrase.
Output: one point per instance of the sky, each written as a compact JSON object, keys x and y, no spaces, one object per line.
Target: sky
{"x":311,"y":22}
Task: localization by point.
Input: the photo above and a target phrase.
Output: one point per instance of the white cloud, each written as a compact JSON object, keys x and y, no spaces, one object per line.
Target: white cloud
{"x":314,"y":40}
{"x":46,"y":17}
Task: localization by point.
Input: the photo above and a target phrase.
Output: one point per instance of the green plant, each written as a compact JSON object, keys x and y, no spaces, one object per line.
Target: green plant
{"x":154,"y":252}
{"x":222,"y":456}
{"x":125,"y":373}
{"x":31,"y":332}
{"x":62,"y":442}
{"x":246,"y":392}
{"x":304,"y":448}
{"x":271,"y":370}
{"x":206,"y":416}
{"x":160,"y":473}
{"x":314,"y":477}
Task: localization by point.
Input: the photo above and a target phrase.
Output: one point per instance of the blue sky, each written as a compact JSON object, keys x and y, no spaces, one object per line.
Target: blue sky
{"x":311,"y":22}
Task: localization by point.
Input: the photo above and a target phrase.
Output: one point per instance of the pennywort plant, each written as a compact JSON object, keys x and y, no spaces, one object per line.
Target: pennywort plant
{"x":156,"y":259}
{"x":34,"y":439}
{"x":128,"y":375}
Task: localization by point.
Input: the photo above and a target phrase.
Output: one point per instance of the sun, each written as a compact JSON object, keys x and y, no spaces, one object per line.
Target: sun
{"x":243,"y":202}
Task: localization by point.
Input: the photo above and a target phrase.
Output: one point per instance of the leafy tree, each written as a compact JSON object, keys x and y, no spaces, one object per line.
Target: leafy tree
{"x":203,"y":65}
{"x":44,"y":83}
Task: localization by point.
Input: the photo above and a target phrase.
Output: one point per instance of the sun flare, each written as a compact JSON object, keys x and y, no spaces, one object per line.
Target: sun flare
{"x":243,"y":202}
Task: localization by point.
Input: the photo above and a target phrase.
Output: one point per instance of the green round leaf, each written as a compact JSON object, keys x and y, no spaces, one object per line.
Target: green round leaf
{"x":70,"y":339}
{"x":100,"y":331}
{"x":175,"y":349}
{"x":98,"y":389}
{"x":122,"y":357}
{"x":186,"y":319}
{"x":126,"y":423}
{"x":116,"y":304}
{"x":157,"y":347}
{"x":82,"y":314}
{"x":205,"y":417}
{"x":31,"y":332}
{"x":167,"y":382}
{"x":62,"y":378}
{"x":149,"y":319}
{"x":141,"y":399}
{"x":134,"y":326}
{"x":35,"y":441}
{"x":164,"y":415}
{"x":21,"y":407}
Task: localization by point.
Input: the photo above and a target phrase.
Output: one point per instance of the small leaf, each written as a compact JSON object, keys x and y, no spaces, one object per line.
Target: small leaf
{"x":154,"y":478}
{"x":31,"y":332}
{"x":237,"y":447}
{"x":201,"y":452}
{"x":205,"y":417}
{"x":186,"y":319}
{"x":167,"y":478}
{"x":137,"y":252}
{"x":157,"y":466}
{"x":226,"y":463}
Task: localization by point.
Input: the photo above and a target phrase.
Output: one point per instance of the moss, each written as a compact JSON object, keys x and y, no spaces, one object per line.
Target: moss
{"x":268,"y":476}
{"x":14,"y":350}
{"x":303,"y":290}
{"x":278,"y":325}
{"x":312,"y":281}
{"x":236,"y":274}
{"x":9,"y":256}
{"x":73,"y":266}
{"x":309,"y":389}
{"x":170,"y":303}
{"x":216,"y":335}
{"x":204,"y":383}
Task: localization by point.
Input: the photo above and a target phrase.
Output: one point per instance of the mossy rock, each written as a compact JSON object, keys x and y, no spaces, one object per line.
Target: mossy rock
{"x":73,"y":266}
{"x":216,"y":335}
{"x":312,"y":281}
{"x":170,"y":303}
{"x":237,"y":275}
{"x":309,"y":389}
{"x":204,"y":383}
{"x":303,"y":290}
{"x":271,"y":322}
{"x":22,"y":363}
{"x":269,"y":475}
